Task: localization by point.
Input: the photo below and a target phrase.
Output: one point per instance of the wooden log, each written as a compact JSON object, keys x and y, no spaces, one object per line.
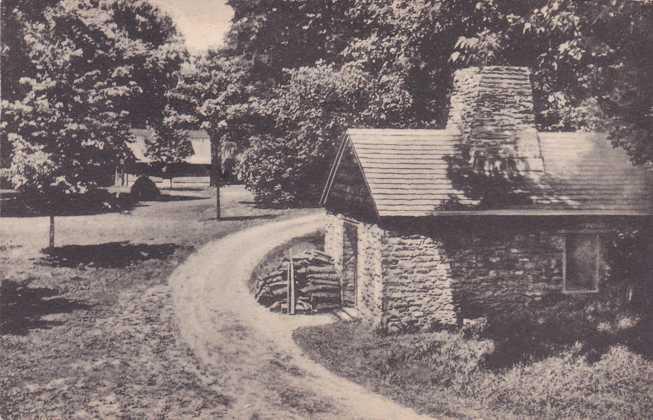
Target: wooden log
{"x":325,"y":295}
{"x":312,"y":290}
{"x":325,"y":276}
{"x":320,"y":270}
{"x":325,"y":306}
{"x":324,"y":282}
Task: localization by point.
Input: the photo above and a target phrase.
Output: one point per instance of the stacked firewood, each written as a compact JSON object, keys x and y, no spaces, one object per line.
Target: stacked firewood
{"x":317,"y":285}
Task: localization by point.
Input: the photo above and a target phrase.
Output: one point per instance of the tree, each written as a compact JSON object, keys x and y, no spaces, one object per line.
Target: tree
{"x":590,"y":69}
{"x":14,"y":54}
{"x":310,"y":112}
{"x":169,"y":145}
{"x":66,"y":127}
{"x":215,"y":94}
{"x":156,"y":64}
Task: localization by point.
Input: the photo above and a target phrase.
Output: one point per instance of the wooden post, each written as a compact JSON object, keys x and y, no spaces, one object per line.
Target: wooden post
{"x":217,"y":200}
{"x":291,"y":284}
{"x":51,"y":241}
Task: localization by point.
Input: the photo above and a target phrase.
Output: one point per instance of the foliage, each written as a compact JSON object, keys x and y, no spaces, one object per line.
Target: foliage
{"x":156,"y":59}
{"x":587,"y":72}
{"x":627,"y":256}
{"x":170,"y":144}
{"x":67,"y":127}
{"x":309,"y":114}
{"x":569,"y":386}
{"x":117,"y":59}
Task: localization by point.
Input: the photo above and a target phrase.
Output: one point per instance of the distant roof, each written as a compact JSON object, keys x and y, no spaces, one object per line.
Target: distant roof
{"x":199,"y":140}
{"x":406,"y":173}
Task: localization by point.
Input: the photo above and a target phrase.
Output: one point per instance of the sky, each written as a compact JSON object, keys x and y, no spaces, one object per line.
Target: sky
{"x":202,"y":22}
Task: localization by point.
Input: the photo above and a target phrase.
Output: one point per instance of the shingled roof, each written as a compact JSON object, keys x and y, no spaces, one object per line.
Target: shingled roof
{"x":406,"y":174}
{"x":409,"y":172}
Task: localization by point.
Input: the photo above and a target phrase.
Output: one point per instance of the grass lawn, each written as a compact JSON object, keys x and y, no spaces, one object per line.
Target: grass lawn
{"x":443,"y":372}
{"x":89,"y":329}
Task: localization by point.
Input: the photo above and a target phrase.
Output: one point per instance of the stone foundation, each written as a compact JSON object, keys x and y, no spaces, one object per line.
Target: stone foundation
{"x":435,"y":274}
{"x":417,"y":288}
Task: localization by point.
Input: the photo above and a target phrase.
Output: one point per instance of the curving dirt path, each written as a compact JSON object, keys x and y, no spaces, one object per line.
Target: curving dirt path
{"x":249,"y":350}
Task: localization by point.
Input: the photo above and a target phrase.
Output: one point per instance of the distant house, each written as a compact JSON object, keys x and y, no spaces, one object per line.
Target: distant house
{"x":198,"y":164}
{"x":417,"y":246}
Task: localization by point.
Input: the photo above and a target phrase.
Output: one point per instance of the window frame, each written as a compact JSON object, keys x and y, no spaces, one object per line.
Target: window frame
{"x":597,"y":273}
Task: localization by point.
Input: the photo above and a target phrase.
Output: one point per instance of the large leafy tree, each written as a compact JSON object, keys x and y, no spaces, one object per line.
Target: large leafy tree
{"x":591,"y":69}
{"x":67,"y":126}
{"x":14,"y":53}
{"x":157,"y":60}
{"x":169,"y":145}
{"x":217,"y":94}
{"x":309,"y":113}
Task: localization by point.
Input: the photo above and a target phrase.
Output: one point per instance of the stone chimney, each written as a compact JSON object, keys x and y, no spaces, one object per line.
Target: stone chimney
{"x":492,"y":107}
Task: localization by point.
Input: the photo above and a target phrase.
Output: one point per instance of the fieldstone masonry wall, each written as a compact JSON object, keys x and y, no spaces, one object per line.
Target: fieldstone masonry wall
{"x":495,"y":275}
{"x":333,"y":235}
{"x":429,"y":277}
{"x":370,"y":273}
{"x":418,"y":293}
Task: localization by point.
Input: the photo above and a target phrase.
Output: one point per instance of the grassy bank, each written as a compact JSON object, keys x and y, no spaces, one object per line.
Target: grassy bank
{"x":443,"y":372}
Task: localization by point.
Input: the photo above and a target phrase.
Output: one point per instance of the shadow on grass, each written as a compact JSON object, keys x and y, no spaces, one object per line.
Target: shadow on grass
{"x":194,"y":189}
{"x":106,"y":255}
{"x":525,"y":341}
{"x":14,"y":204}
{"x":240,"y":218}
{"x":168,"y":197}
{"x":22,"y":307}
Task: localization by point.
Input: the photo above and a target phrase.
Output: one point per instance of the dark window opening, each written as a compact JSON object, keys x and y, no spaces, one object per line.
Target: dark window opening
{"x":581,"y":268}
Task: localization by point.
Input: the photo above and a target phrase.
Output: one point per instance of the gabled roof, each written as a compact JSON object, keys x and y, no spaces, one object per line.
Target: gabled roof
{"x":406,"y":174}
{"x":586,"y":173}
{"x":199,"y":140}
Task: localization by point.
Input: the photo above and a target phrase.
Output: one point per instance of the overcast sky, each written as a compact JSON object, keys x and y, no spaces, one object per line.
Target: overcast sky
{"x":203,"y":22}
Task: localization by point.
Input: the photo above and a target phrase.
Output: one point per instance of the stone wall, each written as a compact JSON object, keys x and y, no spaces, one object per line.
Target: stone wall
{"x":495,"y":273}
{"x":370,"y":299}
{"x":333,"y":238}
{"x":417,"y":282}
{"x":349,"y":263}
{"x":421,"y":276}
{"x":442,"y":274}
{"x":369,"y":275}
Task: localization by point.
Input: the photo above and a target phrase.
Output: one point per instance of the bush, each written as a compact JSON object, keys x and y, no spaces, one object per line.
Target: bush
{"x":289,"y":163}
{"x":144,"y":189}
{"x":569,"y":386}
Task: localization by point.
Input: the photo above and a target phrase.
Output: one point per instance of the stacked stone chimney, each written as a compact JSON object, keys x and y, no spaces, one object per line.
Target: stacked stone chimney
{"x":492,"y":107}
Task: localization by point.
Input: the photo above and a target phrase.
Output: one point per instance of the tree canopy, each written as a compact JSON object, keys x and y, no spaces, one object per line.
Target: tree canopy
{"x":84,"y":69}
{"x":326,"y":64}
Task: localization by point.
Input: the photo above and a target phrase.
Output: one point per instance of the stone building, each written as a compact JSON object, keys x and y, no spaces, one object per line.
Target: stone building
{"x":487,"y":217}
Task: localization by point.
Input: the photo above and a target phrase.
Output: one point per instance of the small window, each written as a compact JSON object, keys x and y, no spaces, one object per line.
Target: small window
{"x":581,"y":266}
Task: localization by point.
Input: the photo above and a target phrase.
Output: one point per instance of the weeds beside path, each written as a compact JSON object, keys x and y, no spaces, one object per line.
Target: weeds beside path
{"x":90,"y":331}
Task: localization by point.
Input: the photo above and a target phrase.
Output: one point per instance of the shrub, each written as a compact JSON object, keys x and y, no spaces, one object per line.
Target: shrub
{"x":569,"y":386}
{"x":144,"y":189}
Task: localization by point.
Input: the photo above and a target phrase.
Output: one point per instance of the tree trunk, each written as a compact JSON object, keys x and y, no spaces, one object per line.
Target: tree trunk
{"x":216,"y":174}
{"x":170,"y":182}
{"x":218,"y":184}
{"x":51,"y":242}
{"x":215,"y":157}
{"x":217,"y":201}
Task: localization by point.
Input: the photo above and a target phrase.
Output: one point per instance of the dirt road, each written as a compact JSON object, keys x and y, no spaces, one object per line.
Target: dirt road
{"x":250,"y":350}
